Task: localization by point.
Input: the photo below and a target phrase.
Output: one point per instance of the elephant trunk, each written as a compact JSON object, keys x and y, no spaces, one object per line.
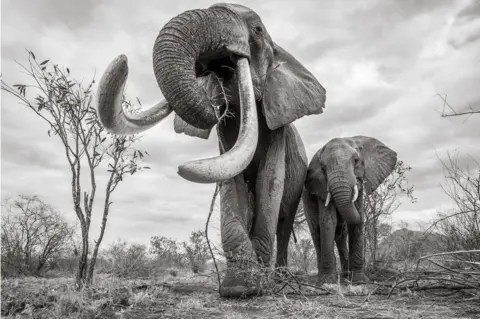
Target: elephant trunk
{"x":343,"y":195}
{"x":193,"y":38}
{"x":188,"y":46}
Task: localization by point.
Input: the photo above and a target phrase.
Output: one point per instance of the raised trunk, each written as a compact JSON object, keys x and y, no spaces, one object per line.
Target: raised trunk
{"x":342,"y":194}
{"x":190,"y":38}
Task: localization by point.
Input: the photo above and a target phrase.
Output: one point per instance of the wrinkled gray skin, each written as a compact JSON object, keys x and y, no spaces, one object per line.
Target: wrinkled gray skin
{"x":336,"y":168}
{"x":256,"y":204}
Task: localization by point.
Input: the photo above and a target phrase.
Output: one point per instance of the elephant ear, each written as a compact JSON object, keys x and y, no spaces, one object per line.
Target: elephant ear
{"x":379,"y":159}
{"x":291,"y":91}
{"x":316,"y":182}
{"x":180,"y":126}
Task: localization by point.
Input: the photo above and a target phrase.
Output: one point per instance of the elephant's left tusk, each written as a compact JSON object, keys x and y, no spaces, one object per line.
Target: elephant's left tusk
{"x":230,"y":164}
{"x":355,"y":193}
{"x":328,"y":199}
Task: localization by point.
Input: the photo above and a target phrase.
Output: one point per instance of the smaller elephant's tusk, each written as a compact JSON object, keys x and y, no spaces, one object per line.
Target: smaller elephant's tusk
{"x":328,"y":199}
{"x":355,"y":193}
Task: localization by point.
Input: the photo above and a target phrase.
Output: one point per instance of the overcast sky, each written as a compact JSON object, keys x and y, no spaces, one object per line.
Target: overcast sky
{"x":382,"y":63}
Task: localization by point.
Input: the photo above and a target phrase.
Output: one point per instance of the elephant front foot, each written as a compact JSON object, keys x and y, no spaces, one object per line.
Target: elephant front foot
{"x":359,"y":277}
{"x":238,"y":285}
{"x":327,"y":277}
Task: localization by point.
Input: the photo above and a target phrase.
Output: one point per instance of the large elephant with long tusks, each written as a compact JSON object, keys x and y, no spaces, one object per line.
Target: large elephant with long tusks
{"x":217,"y":61}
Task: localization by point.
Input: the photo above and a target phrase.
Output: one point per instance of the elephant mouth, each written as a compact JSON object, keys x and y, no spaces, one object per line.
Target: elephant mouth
{"x":223,"y":67}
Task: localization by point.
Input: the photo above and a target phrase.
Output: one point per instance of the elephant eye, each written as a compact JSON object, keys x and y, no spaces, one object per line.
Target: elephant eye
{"x":356,"y":161}
{"x":257,"y":29}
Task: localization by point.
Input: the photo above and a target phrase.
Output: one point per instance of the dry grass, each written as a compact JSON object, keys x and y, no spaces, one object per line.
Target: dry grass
{"x":190,"y":296}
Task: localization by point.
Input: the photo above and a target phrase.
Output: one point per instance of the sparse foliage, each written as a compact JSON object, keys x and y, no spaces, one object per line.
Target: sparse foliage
{"x":460,"y":226}
{"x":302,"y":254}
{"x":33,"y":235}
{"x":167,"y":251}
{"x":197,"y":250}
{"x":380,"y":205}
{"x":66,"y":106}
{"x":299,"y":224}
{"x":127,"y":260}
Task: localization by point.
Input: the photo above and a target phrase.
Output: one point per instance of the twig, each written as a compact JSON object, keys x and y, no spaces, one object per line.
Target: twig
{"x":455,"y":113}
{"x":217,"y":190}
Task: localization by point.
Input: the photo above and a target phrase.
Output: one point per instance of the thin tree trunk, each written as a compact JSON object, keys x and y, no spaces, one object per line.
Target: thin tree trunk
{"x":83,"y":260}
{"x":91,"y":267}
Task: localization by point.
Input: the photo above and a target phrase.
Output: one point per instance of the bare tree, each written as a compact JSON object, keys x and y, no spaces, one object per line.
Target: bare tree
{"x":66,"y":106}
{"x":380,"y":205}
{"x":448,"y":110}
{"x":32,"y":234}
{"x":461,"y":225}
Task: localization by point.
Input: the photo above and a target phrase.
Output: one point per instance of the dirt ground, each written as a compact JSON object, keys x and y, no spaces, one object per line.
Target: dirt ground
{"x":197,"y":297}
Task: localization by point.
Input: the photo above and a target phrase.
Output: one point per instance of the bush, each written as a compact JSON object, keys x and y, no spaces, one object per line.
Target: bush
{"x":34,"y":236}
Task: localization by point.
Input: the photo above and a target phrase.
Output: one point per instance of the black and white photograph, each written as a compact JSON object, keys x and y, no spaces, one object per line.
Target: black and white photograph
{"x":253,"y":159}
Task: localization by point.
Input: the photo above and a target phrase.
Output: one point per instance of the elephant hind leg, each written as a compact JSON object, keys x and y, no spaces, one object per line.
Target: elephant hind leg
{"x":295,"y":174}
{"x":284,"y":231}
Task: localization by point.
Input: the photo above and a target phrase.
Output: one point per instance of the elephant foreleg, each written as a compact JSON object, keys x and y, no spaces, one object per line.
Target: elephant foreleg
{"x":236,"y":205}
{"x":269,"y":191}
{"x":327,"y":219}
{"x":355,"y":258}
{"x":341,"y":232}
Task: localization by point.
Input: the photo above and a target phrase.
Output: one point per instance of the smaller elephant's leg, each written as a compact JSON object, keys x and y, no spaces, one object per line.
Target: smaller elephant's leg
{"x":341,"y":232}
{"x":355,"y":259}
{"x":327,"y":219}
{"x":269,"y":191}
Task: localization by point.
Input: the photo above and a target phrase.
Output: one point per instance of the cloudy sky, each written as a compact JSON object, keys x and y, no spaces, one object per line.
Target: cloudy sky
{"x":382,"y":63}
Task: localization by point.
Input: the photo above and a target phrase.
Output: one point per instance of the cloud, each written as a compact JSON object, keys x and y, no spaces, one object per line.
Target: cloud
{"x":382,"y":63}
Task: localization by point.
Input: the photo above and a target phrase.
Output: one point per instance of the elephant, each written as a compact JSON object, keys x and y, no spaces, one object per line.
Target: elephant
{"x":219,"y":66}
{"x":339,"y":175}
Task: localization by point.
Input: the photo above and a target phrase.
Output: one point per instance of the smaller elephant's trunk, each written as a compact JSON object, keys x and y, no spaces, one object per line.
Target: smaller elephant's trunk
{"x":343,"y":196}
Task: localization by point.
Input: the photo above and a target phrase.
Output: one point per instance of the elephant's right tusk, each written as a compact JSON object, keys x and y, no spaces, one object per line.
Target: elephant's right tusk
{"x":109,"y":103}
{"x":328,"y":199}
{"x":233,"y":162}
{"x":355,"y":193}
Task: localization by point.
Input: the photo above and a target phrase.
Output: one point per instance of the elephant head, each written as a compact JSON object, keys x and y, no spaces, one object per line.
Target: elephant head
{"x":339,"y":171}
{"x":205,"y":61}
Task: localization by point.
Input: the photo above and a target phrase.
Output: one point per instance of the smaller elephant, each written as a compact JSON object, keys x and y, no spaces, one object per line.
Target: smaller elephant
{"x":337,"y":178}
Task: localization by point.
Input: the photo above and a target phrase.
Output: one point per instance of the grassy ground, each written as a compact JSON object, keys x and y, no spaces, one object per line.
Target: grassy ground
{"x":188,"y":296}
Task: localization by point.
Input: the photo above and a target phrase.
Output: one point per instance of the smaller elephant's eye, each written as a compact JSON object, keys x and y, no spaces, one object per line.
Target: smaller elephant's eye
{"x":257,"y":29}
{"x":356,"y":161}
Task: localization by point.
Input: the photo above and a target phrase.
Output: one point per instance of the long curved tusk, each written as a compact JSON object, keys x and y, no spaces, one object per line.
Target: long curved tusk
{"x":109,"y":103}
{"x":355,"y":193}
{"x":328,"y":199}
{"x":233,"y":162}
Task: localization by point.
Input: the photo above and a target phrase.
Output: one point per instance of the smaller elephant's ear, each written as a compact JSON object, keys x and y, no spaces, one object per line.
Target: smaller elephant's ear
{"x":316,"y":182}
{"x":180,"y":126}
{"x":291,"y":91}
{"x":379,"y":159}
